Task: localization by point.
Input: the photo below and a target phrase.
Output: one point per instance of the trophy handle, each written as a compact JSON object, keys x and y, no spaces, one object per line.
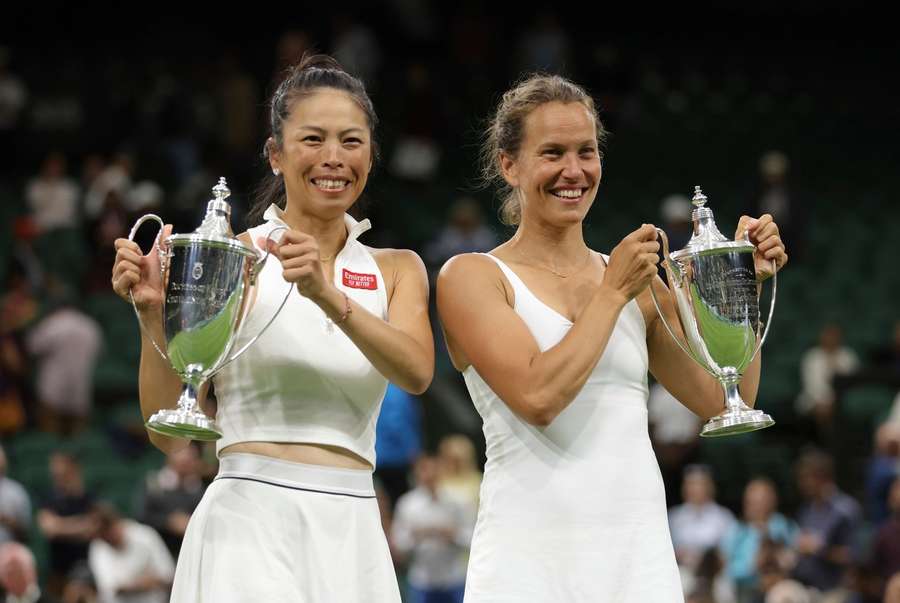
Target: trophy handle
{"x":254,"y":273}
{"x":670,"y":269}
{"x":163,"y":257}
{"x":771,"y":309}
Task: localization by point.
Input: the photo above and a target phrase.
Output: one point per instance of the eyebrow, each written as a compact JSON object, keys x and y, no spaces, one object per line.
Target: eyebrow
{"x":319,"y":130}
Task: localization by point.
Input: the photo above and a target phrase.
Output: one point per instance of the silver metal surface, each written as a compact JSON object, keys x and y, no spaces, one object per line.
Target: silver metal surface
{"x":208,"y":282}
{"x":713,"y":287}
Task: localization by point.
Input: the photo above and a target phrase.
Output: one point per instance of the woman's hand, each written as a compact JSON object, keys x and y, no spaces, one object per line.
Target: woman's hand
{"x":298,"y":253}
{"x":139,"y":273}
{"x":765,"y":236}
{"x":632,"y":263}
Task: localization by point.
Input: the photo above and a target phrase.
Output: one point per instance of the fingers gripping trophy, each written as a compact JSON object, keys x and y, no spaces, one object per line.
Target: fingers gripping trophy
{"x":713,"y":286}
{"x":208,"y":281}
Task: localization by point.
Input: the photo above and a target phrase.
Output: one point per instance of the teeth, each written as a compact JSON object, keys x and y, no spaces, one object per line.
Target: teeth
{"x":330,"y":184}
{"x":569,"y":193}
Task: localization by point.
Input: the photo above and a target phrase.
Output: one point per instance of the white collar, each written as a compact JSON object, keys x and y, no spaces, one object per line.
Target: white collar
{"x":354,"y":228}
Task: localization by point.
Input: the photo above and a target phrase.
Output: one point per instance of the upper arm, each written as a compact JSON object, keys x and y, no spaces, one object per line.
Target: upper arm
{"x":670,"y":365}
{"x":477,"y":317}
{"x":408,"y":298}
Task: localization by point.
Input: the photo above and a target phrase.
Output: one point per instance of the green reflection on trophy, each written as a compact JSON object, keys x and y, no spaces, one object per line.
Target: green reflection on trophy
{"x":209,"y":277}
{"x":713,"y":286}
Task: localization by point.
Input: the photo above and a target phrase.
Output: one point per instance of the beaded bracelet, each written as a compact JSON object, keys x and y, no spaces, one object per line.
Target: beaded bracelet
{"x":347,"y":309}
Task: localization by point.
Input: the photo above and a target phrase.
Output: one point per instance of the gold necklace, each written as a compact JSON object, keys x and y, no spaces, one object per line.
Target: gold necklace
{"x":576,"y":271}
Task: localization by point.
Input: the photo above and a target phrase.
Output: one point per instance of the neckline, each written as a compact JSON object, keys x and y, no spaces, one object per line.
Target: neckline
{"x":559,"y":314}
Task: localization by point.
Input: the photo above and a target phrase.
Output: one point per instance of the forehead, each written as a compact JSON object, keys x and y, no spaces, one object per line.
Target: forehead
{"x":327,"y":106}
{"x":561,"y":122}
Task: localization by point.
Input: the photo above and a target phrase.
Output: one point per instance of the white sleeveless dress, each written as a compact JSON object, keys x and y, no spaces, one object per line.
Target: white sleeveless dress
{"x":574,"y":511}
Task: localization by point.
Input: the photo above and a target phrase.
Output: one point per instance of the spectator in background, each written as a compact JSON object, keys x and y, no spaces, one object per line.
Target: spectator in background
{"x":129,"y":560}
{"x":65,"y":344}
{"x":741,"y":545}
{"x":53,"y":197}
{"x":80,"y":585}
{"x":545,"y":46}
{"x":887,"y":357}
{"x":18,"y":575}
{"x":886,"y":548}
{"x":675,"y":211}
{"x":398,"y":441}
{"x":776,"y":198}
{"x":432,"y":533}
{"x":464,"y":232}
{"x":13,"y":97}
{"x":818,"y":367}
{"x":460,"y":478}
{"x":417,"y":152}
{"x":171,"y":494}
{"x":65,"y":518}
{"x":828,"y":522}
{"x":699,"y":523}
{"x":115,"y":179}
{"x":356,"y":48}
{"x":675,"y":432}
{"x":15,"y":506}
{"x":12,"y":377}
{"x":881,"y":470}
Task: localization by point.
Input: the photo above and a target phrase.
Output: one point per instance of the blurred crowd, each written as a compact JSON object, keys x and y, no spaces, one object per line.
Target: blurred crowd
{"x":78,"y":167}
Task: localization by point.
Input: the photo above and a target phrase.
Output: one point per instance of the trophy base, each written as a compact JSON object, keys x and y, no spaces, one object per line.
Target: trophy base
{"x":183,"y":424}
{"x":733,"y":422}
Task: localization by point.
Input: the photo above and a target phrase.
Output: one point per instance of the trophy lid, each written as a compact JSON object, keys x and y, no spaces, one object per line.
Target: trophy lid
{"x":216,"y":226}
{"x":707,"y":238}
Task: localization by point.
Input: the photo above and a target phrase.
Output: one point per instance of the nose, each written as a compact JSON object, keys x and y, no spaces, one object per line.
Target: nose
{"x":332,"y":156}
{"x":571,"y":166}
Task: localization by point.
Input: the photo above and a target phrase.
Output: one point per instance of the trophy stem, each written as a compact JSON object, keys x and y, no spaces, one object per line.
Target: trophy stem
{"x":733,"y":400}
{"x":186,"y":421}
{"x":738,"y":417}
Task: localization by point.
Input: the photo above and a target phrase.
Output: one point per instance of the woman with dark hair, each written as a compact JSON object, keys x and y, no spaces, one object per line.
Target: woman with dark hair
{"x":292,"y":515}
{"x":554,"y":341}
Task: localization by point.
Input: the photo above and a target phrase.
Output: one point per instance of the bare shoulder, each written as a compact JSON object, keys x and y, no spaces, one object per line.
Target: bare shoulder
{"x":465,"y":266}
{"x":471,"y":274}
{"x":397,"y":261}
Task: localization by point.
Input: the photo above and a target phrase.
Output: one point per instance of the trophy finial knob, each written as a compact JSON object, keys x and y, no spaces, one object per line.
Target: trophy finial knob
{"x":699,"y":199}
{"x":221,"y":190}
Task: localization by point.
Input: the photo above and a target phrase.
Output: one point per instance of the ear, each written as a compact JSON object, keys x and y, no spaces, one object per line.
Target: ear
{"x":509,"y":168}
{"x":274,"y":154}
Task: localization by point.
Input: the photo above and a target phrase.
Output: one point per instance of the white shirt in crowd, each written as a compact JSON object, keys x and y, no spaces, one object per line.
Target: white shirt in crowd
{"x":434,"y":561}
{"x":53,"y":203}
{"x":817,"y":369}
{"x":14,"y":504}
{"x":672,"y":422}
{"x":696,"y":528}
{"x":143,"y":552}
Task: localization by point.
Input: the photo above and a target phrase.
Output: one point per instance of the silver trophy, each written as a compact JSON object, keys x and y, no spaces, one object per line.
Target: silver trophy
{"x":712,"y":283}
{"x":209,"y":280}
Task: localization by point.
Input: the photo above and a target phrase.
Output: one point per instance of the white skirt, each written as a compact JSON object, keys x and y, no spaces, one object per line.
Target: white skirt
{"x":277,"y":531}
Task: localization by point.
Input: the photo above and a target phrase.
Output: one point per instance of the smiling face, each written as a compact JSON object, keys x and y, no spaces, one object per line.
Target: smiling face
{"x":557,"y":169}
{"x":326,"y":153}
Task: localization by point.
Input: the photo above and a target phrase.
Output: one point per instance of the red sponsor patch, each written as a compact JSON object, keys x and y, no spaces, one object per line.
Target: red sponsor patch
{"x":360,"y":280}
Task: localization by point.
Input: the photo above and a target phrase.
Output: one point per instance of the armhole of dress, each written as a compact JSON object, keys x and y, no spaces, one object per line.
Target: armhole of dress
{"x":511,"y":277}
{"x":382,"y":290}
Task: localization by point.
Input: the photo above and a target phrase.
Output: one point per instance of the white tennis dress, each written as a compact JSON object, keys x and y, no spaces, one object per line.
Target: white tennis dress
{"x":279,"y":531}
{"x":574,"y":511}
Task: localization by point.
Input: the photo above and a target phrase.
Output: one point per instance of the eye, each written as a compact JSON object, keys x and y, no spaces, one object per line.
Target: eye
{"x":551,"y":153}
{"x":311,"y":138}
{"x":588,"y":152}
{"x":353,"y":141}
